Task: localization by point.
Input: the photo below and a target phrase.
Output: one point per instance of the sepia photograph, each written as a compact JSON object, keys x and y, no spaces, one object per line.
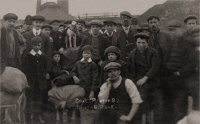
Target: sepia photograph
{"x":99,"y":61}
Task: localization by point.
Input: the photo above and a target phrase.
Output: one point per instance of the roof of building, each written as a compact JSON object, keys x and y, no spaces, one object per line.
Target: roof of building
{"x":53,"y":12}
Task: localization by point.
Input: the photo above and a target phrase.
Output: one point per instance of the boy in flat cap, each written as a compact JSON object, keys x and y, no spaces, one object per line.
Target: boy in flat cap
{"x":190,"y":21}
{"x":143,"y":65}
{"x":36,"y":30}
{"x":119,"y":96}
{"x":124,"y":35}
{"x":11,"y":41}
{"x":35,"y":68}
{"x":98,"y":41}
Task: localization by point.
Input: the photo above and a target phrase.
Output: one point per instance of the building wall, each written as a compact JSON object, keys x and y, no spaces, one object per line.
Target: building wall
{"x":39,"y":2}
{"x":64,"y":4}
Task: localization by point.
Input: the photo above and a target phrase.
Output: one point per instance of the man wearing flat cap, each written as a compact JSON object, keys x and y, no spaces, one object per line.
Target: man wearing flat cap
{"x":11,"y":41}
{"x":161,"y":41}
{"x":178,"y":68}
{"x":55,"y":24}
{"x":120,"y":95}
{"x":124,"y":35}
{"x":81,"y":31}
{"x":109,"y":30}
{"x":143,"y":65}
{"x":37,"y":22}
{"x":98,"y":41}
{"x":190,"y":21}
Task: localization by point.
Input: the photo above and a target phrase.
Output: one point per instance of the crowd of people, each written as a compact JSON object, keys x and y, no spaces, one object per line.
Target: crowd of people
{"x":137,"y":72}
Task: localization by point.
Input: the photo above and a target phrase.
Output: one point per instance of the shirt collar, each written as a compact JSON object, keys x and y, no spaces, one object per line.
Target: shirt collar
{"x":89,"y":60}
{"x":32,"y":52}
{"x":106,"y":32}
{"x":38,"y":31}
{"x":126,"y":29}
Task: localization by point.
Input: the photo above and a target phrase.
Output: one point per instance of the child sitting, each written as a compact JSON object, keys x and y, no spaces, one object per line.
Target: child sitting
{"x":59,"y":75}
{"x":113,"y":54}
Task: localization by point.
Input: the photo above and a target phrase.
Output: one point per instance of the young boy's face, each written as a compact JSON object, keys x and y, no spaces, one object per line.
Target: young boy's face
{"x":87,"y":54}
{"x":46,"y":31}
{"x":112,"y":57}
{"x":37,"y":46}
{"x":56,"y":58}
{"x":141,"y":44}
{"x":191,"y":23}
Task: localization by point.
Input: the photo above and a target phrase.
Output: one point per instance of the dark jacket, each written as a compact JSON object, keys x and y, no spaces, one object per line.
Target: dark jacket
{"x":103,"y":44}
{"x":153,"y":61}
{"x":121,"y":40}
{"x":87,"y":73}
{"x":5,"y":47}
{"x":161,"y":41}
{"x":35,"y":68}
{"x":58,"y":40}
{"x":180,"y":57}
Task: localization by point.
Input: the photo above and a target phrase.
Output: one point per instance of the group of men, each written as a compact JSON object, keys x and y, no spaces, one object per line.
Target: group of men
{"x":162,"y":64}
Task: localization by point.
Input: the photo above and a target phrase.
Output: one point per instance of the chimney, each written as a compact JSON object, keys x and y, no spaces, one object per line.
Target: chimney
{"x":39,"y":2}
{"x":64,"y":5}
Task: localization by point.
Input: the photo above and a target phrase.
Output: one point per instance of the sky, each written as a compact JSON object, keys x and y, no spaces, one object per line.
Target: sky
{"x":25,"y":7}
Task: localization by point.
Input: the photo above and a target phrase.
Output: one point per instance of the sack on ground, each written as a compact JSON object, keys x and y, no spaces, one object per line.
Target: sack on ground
{"x":66,"y":93}
{"x":13,"y":80}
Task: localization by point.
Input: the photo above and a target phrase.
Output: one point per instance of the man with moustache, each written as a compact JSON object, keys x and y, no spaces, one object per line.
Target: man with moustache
{"x":120,"y":95}
{"x":124,"y":35}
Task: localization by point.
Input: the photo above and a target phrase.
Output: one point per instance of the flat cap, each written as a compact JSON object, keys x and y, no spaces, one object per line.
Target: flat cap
{"x":36,"y":39}
{"x":190,"y":17}
{"x":142,"y":35}
{"x":87,"y":47}
{"x":55,"y":53}
{"x":109,"y":22}
{"x":174,"y":24}
{"x":54,"y":21}
{"x":10,"y":16}
{"x":47,"y":26}
{"x":153,"y":17}
{"x":38,"y":18}
{"x":96,"y":22}
{"x":125,"y":13}
{"x":81,"y":21}
{"x":143,"y":27}
{"x":112,"y":65}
